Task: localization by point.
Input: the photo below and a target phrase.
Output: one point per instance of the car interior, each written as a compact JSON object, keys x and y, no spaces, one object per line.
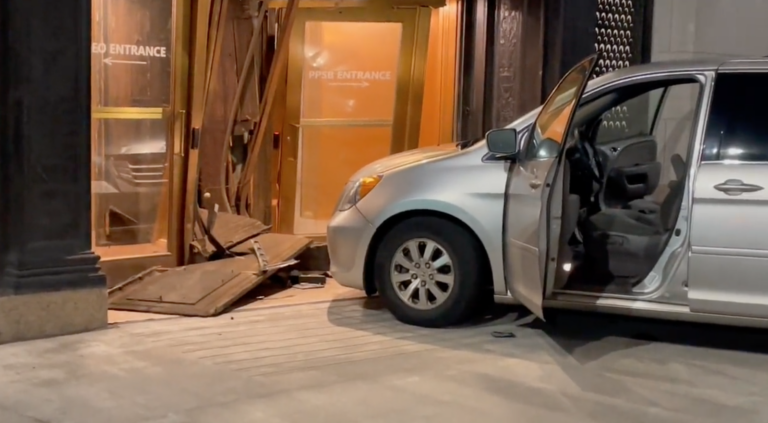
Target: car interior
{"x":613,"y":231}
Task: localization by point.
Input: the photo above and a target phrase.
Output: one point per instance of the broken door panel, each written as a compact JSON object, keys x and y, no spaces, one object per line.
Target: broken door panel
{"x":206,"y":289}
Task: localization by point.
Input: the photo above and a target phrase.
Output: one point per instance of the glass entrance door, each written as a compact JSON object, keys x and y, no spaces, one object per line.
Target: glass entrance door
{"x":354,"y":77}
{"x":134,"y":80}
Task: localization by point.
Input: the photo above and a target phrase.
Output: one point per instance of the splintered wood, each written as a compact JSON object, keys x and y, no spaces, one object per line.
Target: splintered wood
{"x":206,"y":289}
{"x":247,"y":198}
{"x":229,"y":230}
{"x":234,"y":108}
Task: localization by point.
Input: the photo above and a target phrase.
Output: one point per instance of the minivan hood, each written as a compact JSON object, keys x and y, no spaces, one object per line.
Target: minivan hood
{"x":430,"y":154}
{"x":396,"y":161}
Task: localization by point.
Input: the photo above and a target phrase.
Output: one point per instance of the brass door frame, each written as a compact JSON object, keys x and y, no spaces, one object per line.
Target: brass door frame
{"x":406,"y":122}
{"x":198,"y":54}
{"x":121,"y":266}
{"x":182,"y":17}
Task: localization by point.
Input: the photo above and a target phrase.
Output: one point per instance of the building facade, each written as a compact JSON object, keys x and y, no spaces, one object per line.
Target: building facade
{"x":515,"y":51}
{"x":120,"y":117}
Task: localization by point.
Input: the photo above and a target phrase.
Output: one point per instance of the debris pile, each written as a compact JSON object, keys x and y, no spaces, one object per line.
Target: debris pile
{"x":233,"y":255}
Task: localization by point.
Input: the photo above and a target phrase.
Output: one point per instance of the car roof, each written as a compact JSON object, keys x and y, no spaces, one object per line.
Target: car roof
{"x":718,"y":63}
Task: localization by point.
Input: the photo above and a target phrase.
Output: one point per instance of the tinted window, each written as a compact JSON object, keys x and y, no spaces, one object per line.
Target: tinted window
{"x":738,"y":120}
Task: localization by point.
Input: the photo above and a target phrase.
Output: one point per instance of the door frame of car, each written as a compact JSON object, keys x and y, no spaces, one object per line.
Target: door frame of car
{"x":527,"y":187}
{"x":678,"y":249}
{"x":655,"y":285}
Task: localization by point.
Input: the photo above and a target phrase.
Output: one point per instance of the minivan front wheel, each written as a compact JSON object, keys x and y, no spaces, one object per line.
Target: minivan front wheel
{"x":428,"y":270}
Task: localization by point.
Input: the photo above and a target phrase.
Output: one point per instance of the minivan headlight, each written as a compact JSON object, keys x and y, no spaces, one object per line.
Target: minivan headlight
{"x":356,"y":191}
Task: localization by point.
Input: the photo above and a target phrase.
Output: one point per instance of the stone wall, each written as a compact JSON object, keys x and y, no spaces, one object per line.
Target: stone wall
{"x":685,"y":29}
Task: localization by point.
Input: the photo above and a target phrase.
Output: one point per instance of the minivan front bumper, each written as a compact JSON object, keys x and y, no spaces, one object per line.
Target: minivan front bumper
{"x":349,"y":235}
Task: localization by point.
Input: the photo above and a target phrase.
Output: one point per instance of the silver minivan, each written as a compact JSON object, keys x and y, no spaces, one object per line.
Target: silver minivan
{"x":643,"y":196}
{"x":579,"y":230}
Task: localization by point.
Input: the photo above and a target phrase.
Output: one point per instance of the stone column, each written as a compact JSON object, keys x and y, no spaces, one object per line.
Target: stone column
{"x":570,"y":36}
{"x":517,"y":60}
{"x":474,"y":48}
{"x":51,"y":283}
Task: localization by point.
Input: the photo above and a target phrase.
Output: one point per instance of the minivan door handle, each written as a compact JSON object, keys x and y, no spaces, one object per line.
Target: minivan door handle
{"x":736,"y":187}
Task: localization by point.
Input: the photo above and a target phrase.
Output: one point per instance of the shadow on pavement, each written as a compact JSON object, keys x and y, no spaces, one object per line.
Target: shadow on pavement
{"x":584,"y":337}
{"x":573,"y":331}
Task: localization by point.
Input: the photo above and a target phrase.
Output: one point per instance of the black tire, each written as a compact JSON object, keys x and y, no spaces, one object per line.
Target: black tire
{"x":469,"y":267}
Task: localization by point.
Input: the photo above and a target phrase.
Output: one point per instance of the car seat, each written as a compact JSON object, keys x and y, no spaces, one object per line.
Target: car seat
{"x":629,"y":240}
{"x":647,"y":206}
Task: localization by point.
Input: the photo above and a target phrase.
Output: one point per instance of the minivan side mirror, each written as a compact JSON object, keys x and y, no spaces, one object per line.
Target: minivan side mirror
{"x":502,"y":142}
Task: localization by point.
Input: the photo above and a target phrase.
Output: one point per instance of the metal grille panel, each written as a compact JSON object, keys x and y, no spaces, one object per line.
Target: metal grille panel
{"x":618,"y":44}
{"x":616,"y":34}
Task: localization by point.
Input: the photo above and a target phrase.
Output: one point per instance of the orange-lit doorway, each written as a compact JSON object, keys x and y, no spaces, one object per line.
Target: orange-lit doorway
{"x":355,"y":88}
{"x":441,"y":86}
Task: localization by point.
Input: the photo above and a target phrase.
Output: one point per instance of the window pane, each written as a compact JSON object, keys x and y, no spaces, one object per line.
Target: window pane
{"x":131,"y":53}
{"x":131,"y":61}
{"x":549,"y":127}
{"x":343,"y":77}
{"x":348,"y":97}
{"x":129,"y":180}
{"x":737,"y":128}
{"x":675,"y":126}
{"x":329,"y":156}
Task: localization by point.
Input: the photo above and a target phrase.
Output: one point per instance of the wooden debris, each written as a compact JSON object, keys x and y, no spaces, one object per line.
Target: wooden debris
{"x":154,"y":270}
{"x":231,"y":231}
{"x":275,"y":79}
{"x":205,"y":289}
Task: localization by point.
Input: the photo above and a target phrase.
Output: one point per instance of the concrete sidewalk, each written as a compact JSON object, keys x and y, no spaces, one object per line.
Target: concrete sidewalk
{"x":348,"y":362}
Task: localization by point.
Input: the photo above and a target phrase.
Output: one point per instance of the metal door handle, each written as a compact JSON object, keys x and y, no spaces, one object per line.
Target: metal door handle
{"x":736,"y":187}
{"x":535,"y":183}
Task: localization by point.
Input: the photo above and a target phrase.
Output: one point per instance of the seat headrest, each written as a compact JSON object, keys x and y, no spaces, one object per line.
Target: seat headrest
{"x":678,"y":166}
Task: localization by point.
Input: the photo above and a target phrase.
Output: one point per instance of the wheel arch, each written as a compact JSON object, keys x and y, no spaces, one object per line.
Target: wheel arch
{"x":394,"y":220}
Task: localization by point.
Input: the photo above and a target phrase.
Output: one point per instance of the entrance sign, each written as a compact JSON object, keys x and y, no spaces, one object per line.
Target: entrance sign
{"x":128,"y":50}
{"x":343,"y":78}
{"x":354,"y":78}
{"x":351,"y":75}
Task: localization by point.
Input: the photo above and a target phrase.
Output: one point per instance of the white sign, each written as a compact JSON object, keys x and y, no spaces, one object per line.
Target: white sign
{"x":128,"y":50}
{"x":351,"y":84}
{"x":110,"y":60}
{"x":351,"y":77}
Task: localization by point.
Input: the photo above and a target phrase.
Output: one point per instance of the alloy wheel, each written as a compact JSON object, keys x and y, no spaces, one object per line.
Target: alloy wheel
{"x":422,"y":273}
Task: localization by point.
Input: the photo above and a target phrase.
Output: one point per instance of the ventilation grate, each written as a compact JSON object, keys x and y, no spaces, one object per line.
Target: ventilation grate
{"x":618,"y":42}
{"x":616,"y":35}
